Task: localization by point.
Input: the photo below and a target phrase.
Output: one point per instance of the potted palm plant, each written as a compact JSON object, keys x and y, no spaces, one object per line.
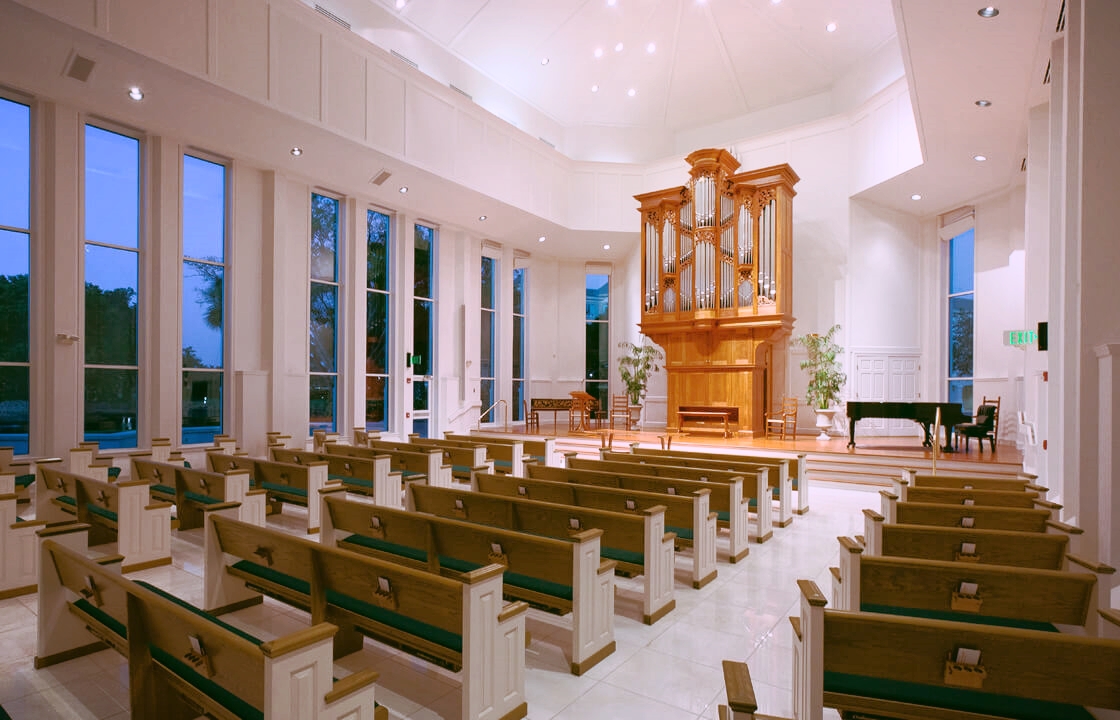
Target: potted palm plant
{"x":826,"y":375}
{"x":635,"y":365}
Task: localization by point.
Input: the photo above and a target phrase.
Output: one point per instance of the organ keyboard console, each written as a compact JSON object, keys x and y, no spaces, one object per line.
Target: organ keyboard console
{"x":717,"y":279}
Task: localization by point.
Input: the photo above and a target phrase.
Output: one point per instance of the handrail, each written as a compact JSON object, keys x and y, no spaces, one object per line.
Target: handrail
{"x":505,"y":414}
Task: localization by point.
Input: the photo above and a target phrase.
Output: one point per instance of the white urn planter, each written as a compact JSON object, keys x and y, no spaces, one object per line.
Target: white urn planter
{"x":824,"y":421}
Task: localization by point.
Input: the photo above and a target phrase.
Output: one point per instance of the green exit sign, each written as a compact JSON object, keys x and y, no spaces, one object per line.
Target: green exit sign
{"x":1020,"y":337}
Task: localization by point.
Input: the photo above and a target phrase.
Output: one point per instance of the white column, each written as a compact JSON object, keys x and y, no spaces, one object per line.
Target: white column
{"x":1108,"y":455}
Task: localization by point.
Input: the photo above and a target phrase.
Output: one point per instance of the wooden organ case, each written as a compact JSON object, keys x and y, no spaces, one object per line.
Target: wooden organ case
{"x":717,"y":284}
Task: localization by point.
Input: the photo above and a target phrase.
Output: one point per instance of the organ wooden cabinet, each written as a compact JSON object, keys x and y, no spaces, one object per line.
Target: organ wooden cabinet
{"x":717,"y":284}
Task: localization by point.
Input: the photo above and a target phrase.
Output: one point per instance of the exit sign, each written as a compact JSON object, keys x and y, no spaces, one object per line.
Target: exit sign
{"x":1020,"y":337}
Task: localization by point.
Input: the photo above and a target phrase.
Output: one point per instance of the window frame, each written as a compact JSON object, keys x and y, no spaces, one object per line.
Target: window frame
{"x":339,"y":288}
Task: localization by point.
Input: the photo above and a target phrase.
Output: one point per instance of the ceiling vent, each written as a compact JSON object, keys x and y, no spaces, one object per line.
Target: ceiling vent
{"x":405,"y":60}
{"x":78,"y":67}
{"x":461,"y":91}
{"x":328,"y":14}
{"x":546,"y":142}
{"x":380,"y":178}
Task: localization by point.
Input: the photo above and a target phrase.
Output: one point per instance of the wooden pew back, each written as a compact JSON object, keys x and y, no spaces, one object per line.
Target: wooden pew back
{"x":298,"y":484}
{"x":959,"y":496}
{"x":987,"y":517}
{"x":414,"y":463}
{"x":540,"y":448}
{"x":509,"y":455}
{"x":970,"y":482}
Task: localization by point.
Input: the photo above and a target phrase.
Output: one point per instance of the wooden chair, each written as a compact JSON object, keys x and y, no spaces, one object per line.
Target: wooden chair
{"x":532,"y":418}
{"x":984,"y":426}
{"x":783,"y":421}
{"x":620,"y":410}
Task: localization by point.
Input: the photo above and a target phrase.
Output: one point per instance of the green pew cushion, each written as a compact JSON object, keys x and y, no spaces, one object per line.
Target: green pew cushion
{"x":101,"y":512}
{"x":503,"y":463}
{"x":4,"y":715}
{"x":410,"y":473}
{"x":25,"y":480}
{"x":461,"y":468}
{"x":409,"y":625}
{"x":200,"y":498}
{"x":625,"y":556}
{"x":361,"y":482}
{"x":198,"y":611}
{"x":165,"y":489}
{"x":68,"y":499}
{"x":101,"y":616}
{"x":287,"y":489}
{"x":388,"y":547}
{"x":211,"y":689}
{"x":114,"y":472}
{"x":952,"y":698}
{"x":752,"y":503}
{"x":343,"y":478}
{"x":187,"y":464}
{"x":723,"y":516}
{"x":958,"y":617}
{"x":682,"y":533}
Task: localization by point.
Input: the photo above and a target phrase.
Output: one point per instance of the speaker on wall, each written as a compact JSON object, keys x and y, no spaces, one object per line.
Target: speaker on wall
{"x":1042,"y":331}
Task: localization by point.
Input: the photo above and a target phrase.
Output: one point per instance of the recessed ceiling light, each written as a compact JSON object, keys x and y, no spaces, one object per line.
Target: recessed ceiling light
{"x":607,"y":247}
{"x":404,"y":189}
{"x":296,"y":151}
{"x":775,"y":2}
{"x":612,"y":3}
{"x":598,"y":52}
{"x":136,"y":93}
{"x":544,"y":61}
{"x":915,"y":196}
{"x":401,"y":4}
{"x":979,"y":158}
{"x":540,"y":239}
{"x":651,"y":48}
{"x":618,"y":47}
{"x":631,"y":92}
{"x":481,"y":217}
{"x":831,"y":27}
{"x":984,"y":103}
{"x":595,"y":88}
{"x":988,"y":12}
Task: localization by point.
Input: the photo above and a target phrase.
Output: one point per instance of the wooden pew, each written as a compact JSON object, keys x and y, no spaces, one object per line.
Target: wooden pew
{"x":971,"y":482}
{"x":84,"y":462}
{"x":363,"y":475}
{"x":790,"y":475}
{"x":464,"y":458}
{"x":960,"y":496}
{"x":988,"y":517}
{"x":731,"y":512}
{"x":988,"y":594}
{"x":686,"y":515}
{"x":461,"y":624}
{"x":414,"y":464}
{"x":18,"y":543}
{"x":535,"y":447}
{"x":887,"y":666}
{"x":558,"y":576}
{"x":509,"y":455}
{"x":193,"y":490}
{"x":283,"y":482}
{"x":122,"y":513}
{"x":182,"y":660}
{"x":454,"y":462}
{"x":1046,"y":551}
{"x":639,"y":544}
{"x":742,"y":703}
{"x":24,"y":469}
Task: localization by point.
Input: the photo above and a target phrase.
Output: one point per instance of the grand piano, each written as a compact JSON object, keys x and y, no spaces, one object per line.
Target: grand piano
{"x":923,"y":413}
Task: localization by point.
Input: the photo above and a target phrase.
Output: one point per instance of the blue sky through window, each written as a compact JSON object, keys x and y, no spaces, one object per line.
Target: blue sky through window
{"x":15,"y":167}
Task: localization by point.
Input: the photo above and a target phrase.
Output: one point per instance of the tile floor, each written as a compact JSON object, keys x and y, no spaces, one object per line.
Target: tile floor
{"x":669,"y":670}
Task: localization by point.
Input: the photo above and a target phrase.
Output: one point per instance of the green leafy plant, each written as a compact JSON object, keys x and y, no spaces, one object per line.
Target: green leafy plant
{"x":635,"y":366}
{"x":826,"y":375}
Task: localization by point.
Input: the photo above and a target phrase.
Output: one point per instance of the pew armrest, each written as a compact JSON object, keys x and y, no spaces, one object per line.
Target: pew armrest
{"x":351,"y":684}
{"x":1036,"y":488}
{"x":740,"y":689}
{"x":888,"y":495}
{"x":1110,"y":615}
{"x":512,"y":610}
{"x":1046,"y":504}
{"x":607,"y":566}
{"x":298,"y":640}
{"x":1099,"y":568}
{"x":1064,"y":527}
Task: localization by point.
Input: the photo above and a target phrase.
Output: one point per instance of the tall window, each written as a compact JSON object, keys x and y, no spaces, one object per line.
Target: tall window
{"x":487,"y":334}
{"x":423,"y":315}
{"x":323,"y":328}
{"x":598,"y":337}
{"x":519,"y":365}
{"x":112,"y":264}
{"x":377,"y":320}
{"x":15,"y":275}
{"x":961,"y":286}
{"x":204,"y":253}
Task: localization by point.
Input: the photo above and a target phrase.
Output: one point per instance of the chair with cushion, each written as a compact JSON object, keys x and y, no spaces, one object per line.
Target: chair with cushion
{"x":783,"y":420}
{"x":985,"y":425}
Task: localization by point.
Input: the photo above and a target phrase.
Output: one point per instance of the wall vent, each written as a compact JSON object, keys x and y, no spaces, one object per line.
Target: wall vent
{"x":1061,"y":25}
{"x":461,"y":91}
{"x":405,"y":60}
{"x":546,"y":142}
{"x":78,"y":67}
{"x":1046,"y":75}
{"x":380,"y":178}
{"x":330,"y":15}
{"x":1023,"y":166}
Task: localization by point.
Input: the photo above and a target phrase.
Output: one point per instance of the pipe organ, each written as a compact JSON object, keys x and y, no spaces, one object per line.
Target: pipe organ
{"x":717,"y":283}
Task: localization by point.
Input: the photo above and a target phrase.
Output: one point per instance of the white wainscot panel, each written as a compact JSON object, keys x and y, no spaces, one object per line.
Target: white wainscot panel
{"x":498,"y":168}
{"x":470,"y":133}
{"x":346,"y":87}
{"x":431,"y":131}
{"x":80,"y":13}
{"x":172,"y":30}
{"x":384,"y":109}
{"x":297,"y":63}
{"x":241,"y":39}
{"x":607,"y":189}
{"x":581,"y":196}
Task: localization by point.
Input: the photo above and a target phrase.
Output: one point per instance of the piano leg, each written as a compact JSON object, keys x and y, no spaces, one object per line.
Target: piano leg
{"x":851,"y":432}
